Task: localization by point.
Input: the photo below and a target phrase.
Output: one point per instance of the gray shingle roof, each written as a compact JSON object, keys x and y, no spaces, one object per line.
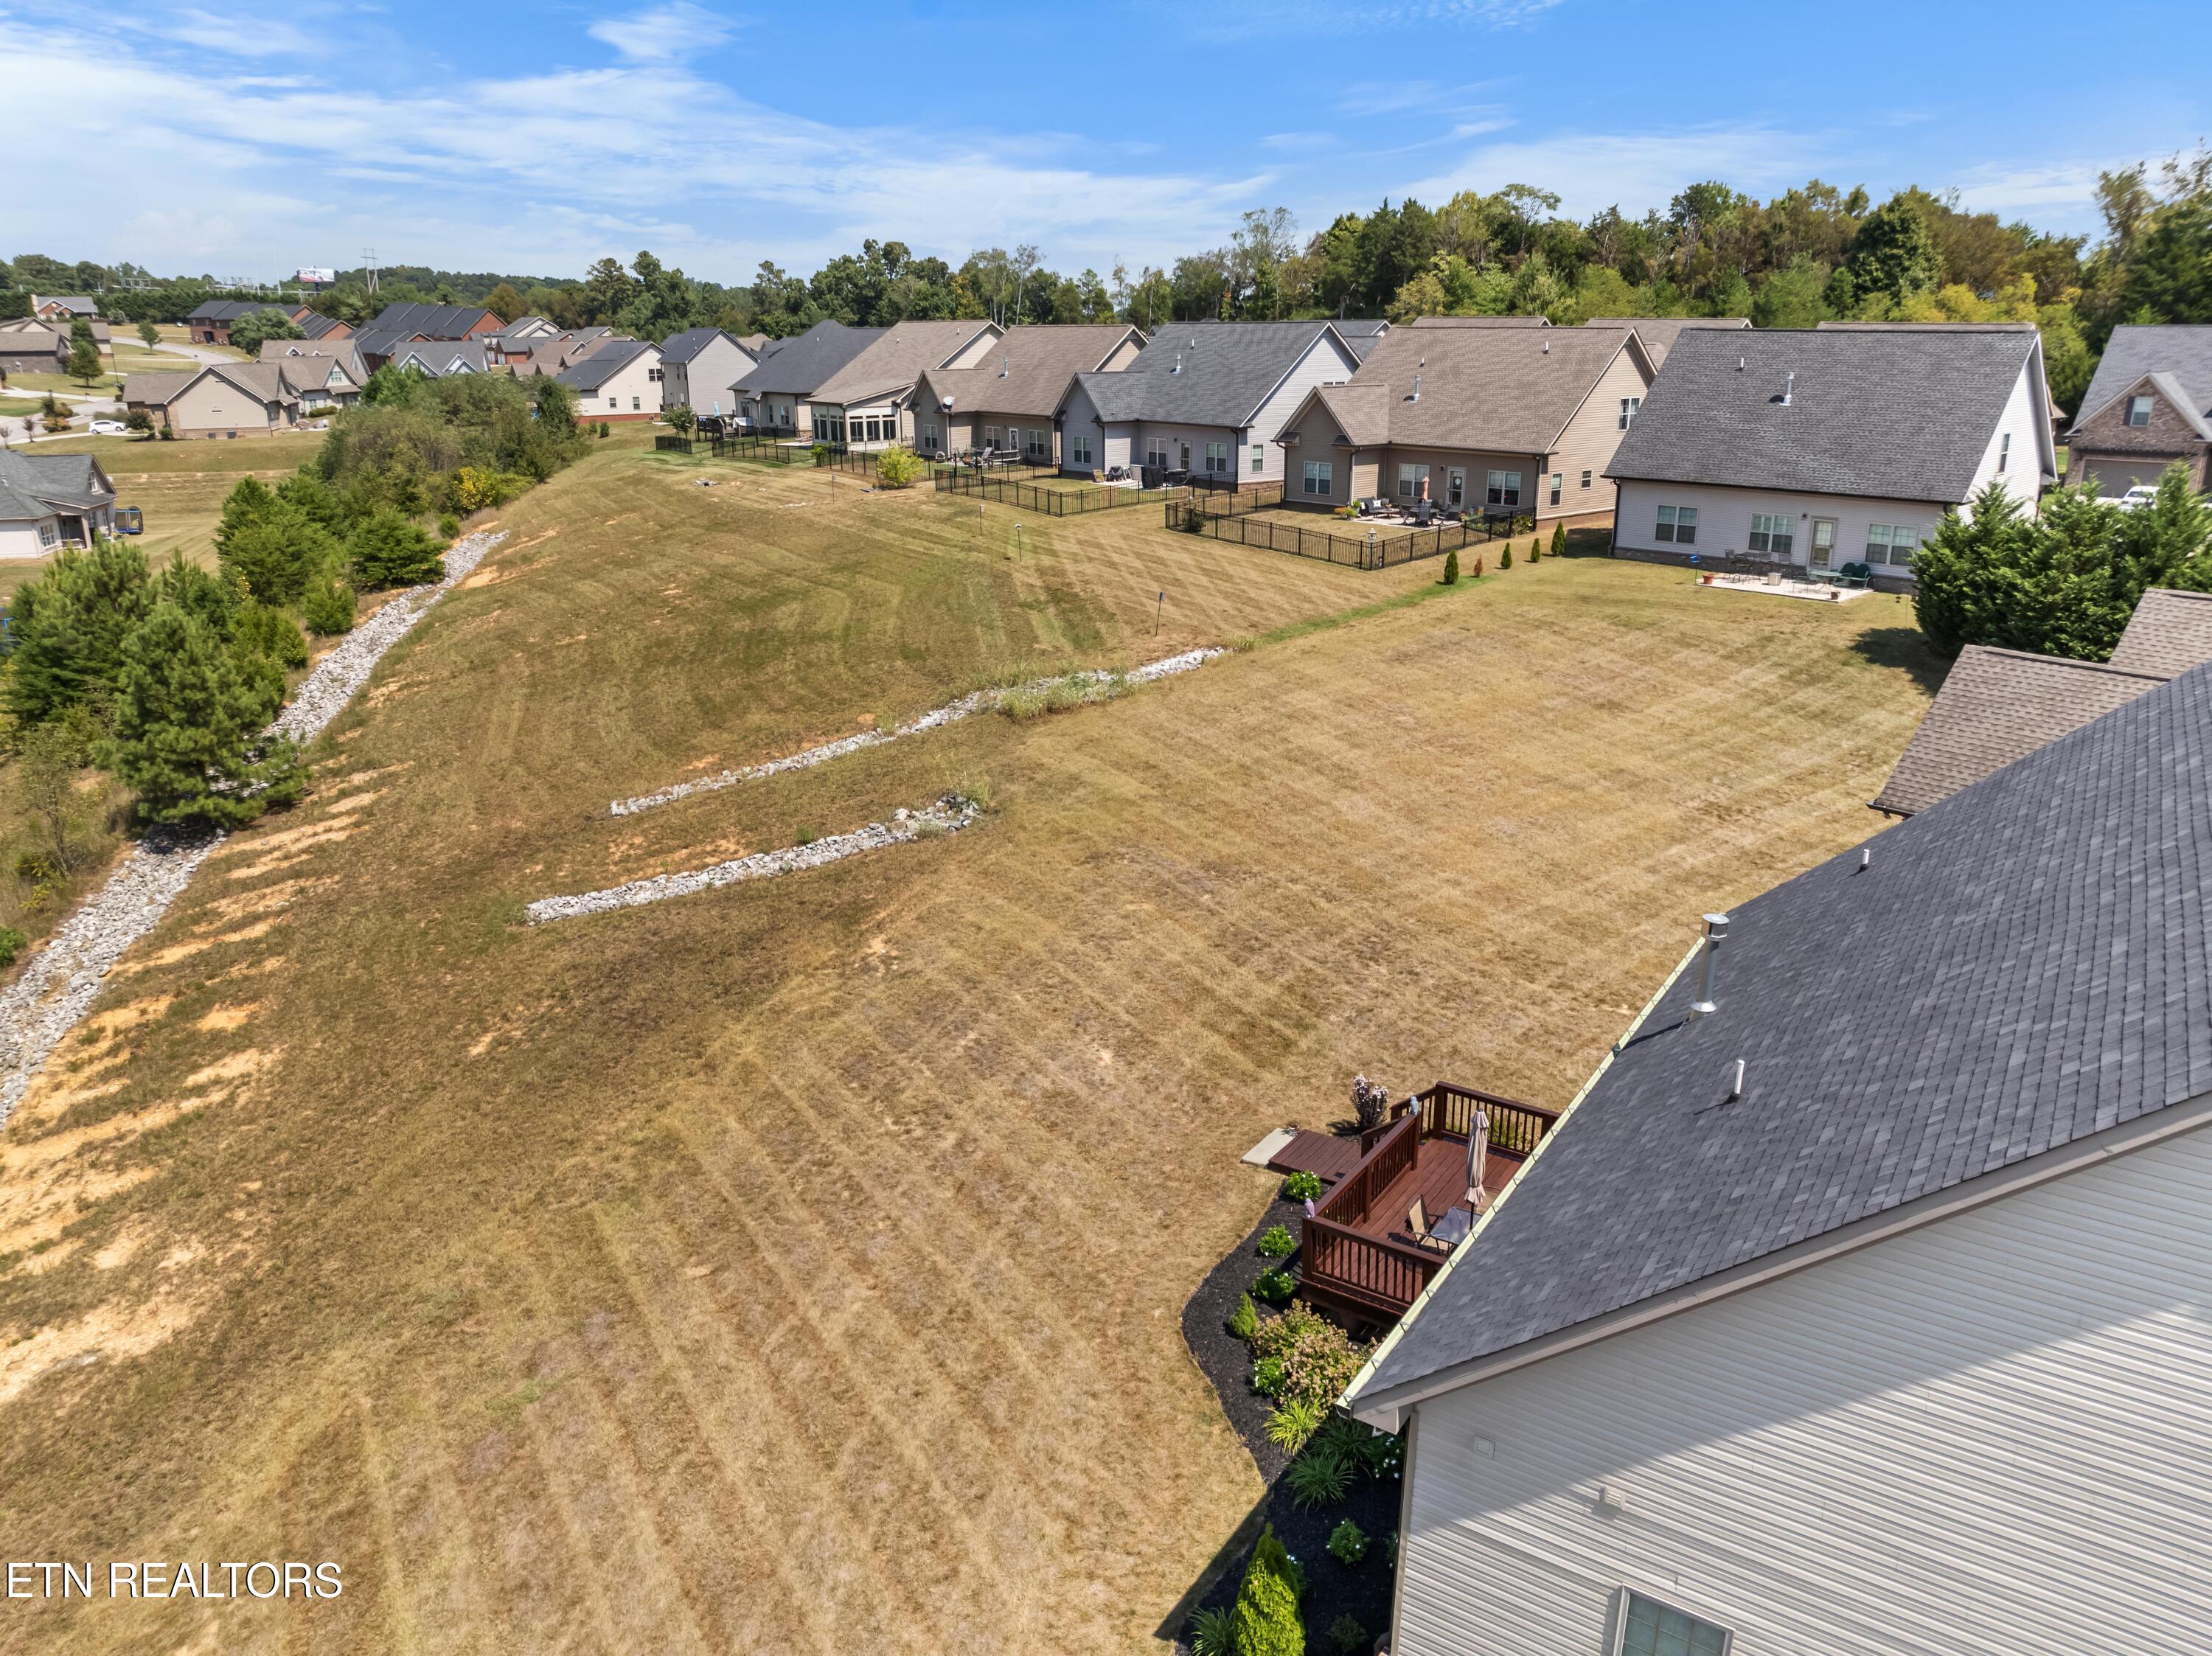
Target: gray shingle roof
{"x":1659,"y":333}
{"x":2170,"y":632}
{"x":2134,"y":352}
{"x":1894,"y":414}
{"x":1227,"y":369}
{"x":797,"y":367}
{"x":682,"y":347}
{"x":230,"y":310}
{"x":1997,"y":705}
{"x":1027,"y":370}
{"x":2022,"y":965}
{"x":603,"y":364}
{"x":33,"y":485}
{"x":431,"y":321}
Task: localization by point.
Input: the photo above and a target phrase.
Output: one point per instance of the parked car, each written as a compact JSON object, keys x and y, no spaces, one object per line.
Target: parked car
{"x":109,"y":428}
{"x":2141,"y":495}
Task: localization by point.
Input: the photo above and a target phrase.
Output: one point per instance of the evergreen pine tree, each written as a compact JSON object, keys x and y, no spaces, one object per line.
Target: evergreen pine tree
{"x":2064,"y":594}
{"x":183,"y":724}
{"x":70,"y":626}
{"x":2169,"y":541}
{"x":249,"y":502}
{"x":1265,"y":1620}
{"x":1963,"y":573}
{"x":84,"y":353}
{"x":198,"y":594}
{"x":276,"y":553}
{"x":1558,"y":540}
{"x":387,"y":550}
{"x":1451,"y":568}
{"x":1505,"y":558}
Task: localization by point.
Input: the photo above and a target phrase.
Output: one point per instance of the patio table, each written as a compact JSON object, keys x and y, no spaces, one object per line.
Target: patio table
{"x":1452,"y":1227}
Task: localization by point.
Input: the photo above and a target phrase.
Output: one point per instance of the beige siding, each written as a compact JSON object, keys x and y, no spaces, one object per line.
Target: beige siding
{"x":634,"y":392}
{"x":1124,"y":354}
{"x":213,"y":406}
{"x":1590,"y":438}
{"x":1985,"y":1437}
{"x":976,"y":350}
{"x":1318,"y":430}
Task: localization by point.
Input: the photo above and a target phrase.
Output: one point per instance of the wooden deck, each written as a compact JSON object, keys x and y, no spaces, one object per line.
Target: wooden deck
{"x":1330,"y":1154}
{"x":1439,"y":1177}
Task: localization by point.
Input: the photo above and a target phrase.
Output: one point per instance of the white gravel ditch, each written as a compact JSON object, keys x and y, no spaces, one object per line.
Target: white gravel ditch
{"x":951,"y":712}
{"x":946,"y":815}
{"x":62,"y":980}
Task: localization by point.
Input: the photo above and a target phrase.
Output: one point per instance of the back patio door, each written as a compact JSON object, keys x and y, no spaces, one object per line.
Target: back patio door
{"x":1823,"y":543}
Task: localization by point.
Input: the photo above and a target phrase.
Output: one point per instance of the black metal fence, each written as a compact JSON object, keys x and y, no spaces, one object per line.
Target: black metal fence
{"x":1052,"y":499}
{"x":784,"y":451}
{"x":1377,"y":552}
{"x":672,"y":445}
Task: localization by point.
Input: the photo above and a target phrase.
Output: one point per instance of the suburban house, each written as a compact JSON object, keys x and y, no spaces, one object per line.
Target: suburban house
{"x":50,"y":500}
{"x":211,"y":322}
{"x":531,"y":327}
{"x":2149,"y":405}
{"x":313,"y":324}
{"x":1509,"y":422}
{"x":327,"y":372}
{"x":28,"y":347}
{"x":1208,"y":398}
{"x":1997,"y":705}
{"x":64,"y":308}
{"x":434,"y":321}
{"x":836,"y":385}
{"x":699,"y":365}
{"x":1858,"y":1303}
{"x":1659,"y":333}
{"x":439,"y":357}
{"x":621,"y":380}
{"x":1006,"y":401}
{"x":1819,"y":447}
{"x":870,"y":398}
{"x":231,"y":399}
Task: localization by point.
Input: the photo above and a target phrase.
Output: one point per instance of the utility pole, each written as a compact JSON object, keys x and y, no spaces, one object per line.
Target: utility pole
{"x":368,"y":266}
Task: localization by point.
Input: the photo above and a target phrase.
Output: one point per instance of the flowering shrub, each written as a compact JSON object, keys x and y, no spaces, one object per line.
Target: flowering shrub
{"x":1302,"y":1186}
{"x":1276,"y":1287}
{"x":1319,"y":1359}
{"x":1276,"y":1241}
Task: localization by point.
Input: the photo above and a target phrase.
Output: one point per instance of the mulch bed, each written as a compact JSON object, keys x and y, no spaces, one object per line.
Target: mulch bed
{"x":1363,"y":1594}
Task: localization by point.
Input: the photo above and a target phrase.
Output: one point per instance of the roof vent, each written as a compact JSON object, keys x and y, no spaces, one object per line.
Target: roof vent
{"x":1417,"y":388}
{"x":1788,"y":387}
{"x":1006,"y":365}
{"x":1735,"y":1081}
{"x":1716,"y":927}
{"x":1547,"y":348}
{"x":1178,"y":364}
{"x":1740,"y":362}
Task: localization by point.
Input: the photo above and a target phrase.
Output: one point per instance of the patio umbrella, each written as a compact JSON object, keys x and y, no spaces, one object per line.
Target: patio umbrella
{"x":1477,"y":1148}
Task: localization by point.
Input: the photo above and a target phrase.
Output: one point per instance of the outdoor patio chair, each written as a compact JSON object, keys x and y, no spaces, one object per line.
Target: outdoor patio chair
{"x":1424,"y":515}
{"x":1417,"y":1222}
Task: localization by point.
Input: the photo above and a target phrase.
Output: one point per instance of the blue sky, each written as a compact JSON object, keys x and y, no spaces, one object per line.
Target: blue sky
{"x":537,"y":139}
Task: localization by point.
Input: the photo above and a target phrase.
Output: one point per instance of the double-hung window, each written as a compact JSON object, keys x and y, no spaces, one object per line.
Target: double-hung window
{"x":1258,"y":458}
{"x":1558,"y":483}
{"x":1217,"y":459}
{"x":1628,"y":406}
{"x":1644,"y":1627}
{"x":1772,"y":534}
{"x":1503,"y":488}
{"x":1320,"y":477}
{"x":2004,"y":450}
{"x":2139,"y":410}
{"x":1079,"y":448}
{"x":1678,"y":525}
{"x":1892,"y":543}
{"x":1586,"y":477}
{"x":1410,"y":474}
{"x":1156,"y":452}
{"x":614,"y":401}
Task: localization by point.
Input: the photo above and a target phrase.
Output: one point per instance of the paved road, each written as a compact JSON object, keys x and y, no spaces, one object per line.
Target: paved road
{"x":84,"y":405}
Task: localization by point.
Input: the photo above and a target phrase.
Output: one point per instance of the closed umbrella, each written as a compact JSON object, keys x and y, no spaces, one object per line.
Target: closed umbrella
{"x":1478,"y":1147}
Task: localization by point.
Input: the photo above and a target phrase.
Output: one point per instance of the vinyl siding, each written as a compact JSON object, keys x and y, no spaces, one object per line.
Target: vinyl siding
{"x":1078,"y":411}
{"x":1724,"y":520}
{"x":1590,"y":438}
{"x":1988,"y":1435}
{"x":1325,"y":362}
{"x":635,"y":380}
{"x":2023,"y":473}
{"x":214,"y":405}
{"x":705,"y":380}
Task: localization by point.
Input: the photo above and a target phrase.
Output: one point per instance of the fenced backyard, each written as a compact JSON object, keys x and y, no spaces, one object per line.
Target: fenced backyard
{"x":1044,"y":491}
{"x":1263,"y":523}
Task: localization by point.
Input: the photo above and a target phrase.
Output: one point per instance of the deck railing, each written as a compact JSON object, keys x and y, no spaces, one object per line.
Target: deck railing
{"x":1340,"y":1261}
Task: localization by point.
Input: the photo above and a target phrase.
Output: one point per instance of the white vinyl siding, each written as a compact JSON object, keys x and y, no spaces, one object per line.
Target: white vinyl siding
{"x":2016,"y":451}
{"x":1772,"y":534}
{"x":1725,"y":520}
{"x":1986,"y":1437}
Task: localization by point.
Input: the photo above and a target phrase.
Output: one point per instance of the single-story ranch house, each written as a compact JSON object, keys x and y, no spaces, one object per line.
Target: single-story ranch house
{"x":1006,"y":402}
{"x":621,"y":380}
{"x":64,"y":308}
{"x":1824,"y":446}
{"x":1510,"y":422}
{"x":1205,"y":397}
{"x":2149,"y":405}
{"x":50,"y":500}
{"x":233,"y":399}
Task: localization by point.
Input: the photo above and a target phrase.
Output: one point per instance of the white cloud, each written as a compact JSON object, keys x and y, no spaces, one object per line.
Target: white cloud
{"x":2019,"y":190}
{"x":663,"y":34}
{"x":1593,"y":171}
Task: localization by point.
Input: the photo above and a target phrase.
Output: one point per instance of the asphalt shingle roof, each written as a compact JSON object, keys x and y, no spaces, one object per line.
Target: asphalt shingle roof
{"x":1894,"y":414}
{"x":1504,"y":389}
{"x":1028,"y":368}
{"x":2135,"y":352}
{"x":682,"y":347}
{"x":431,"y":321}
{"x":2170,"y":632}
{"x":797,"y":367}
{"x":230,"y":310}
{"x":1659,"y":333}
{"x":896,"y":361}
{"x":2022,"y":965}
{"x":33,"y":485}
{"x":603,"y":364}
{"x":1227,"y":370}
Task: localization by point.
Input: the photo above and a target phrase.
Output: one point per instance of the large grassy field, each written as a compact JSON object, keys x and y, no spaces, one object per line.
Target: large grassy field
{"x":798,"y":1266}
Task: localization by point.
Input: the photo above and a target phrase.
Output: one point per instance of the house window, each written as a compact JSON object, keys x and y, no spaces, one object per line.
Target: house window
{"x":1258,"y":458}
{"x":1156,"y":452}
{"x":1040,"y":443}
{"x":2139,"y":410}
{"x":1558,"y":482}
{"x":1320,"y":477}
{"x":1677,"y":523}
{"x":614,"y":401}
{"x":1772,"y":534}
{"x":1586,"y":477}
{"x":1455,"y":486}
{"x":1628,"y":406}
{"x":635,"y":405}
{"x":652,"y":374}
{"x":1503,"y":488}
{"x":990,"y":437}
{"x":49,"y":535}
{"x":929,"y":439}
{"x":1648,"y":1627}
{"x":1410,"y":474}
{"x":1079,"y":448}
{"x":1892,"y":543}
{"x":2004,"y":450}
{"x":1217,"y":459}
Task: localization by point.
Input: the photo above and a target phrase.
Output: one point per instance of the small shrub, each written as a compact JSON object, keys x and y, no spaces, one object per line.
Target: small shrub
{"x":11,"y":945}
{"x":1276,"y":1241}
{"x":807,"y":834}
{"x":1319,"y":1478}
{"x":448,"y":524}
{"x":1558,"y":540}
{"x":1244,"y":1321}
{"x":606,"y":429}
{"x":34,"y":866}
{"x":682,"y":417}
{"x":1276,"y":1287}
{"x":1294,"y":1423}
{"x":1302,"y":1186}
{"x":1505,"y":558}
{"x":1371,"y":1102}
{"x":139,"y":421}
{"x":1347,"y":1634}
{"x":1212,"y":1633}
{"x":1478,"y":566}
{"x":1319,"y":1358}
{"x":899,"y":467}
{"x":1536,"y":551}
{"x":1265,"y":1620}
{"x":1267,"y":1374}
{"x":1194,"y":521}
{"x":1390,"y":1551}
{"x":328,"y":608}
{"x":1451,"y":568}
{"x":1347,"y":1545}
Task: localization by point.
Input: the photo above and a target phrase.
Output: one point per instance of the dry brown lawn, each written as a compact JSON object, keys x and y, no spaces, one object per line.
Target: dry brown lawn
{"x":796,"y":1267}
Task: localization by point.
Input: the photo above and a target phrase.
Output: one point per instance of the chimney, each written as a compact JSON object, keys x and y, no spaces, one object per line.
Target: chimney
{"x":1716,"y":927}
{"x":1788,"y":387}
